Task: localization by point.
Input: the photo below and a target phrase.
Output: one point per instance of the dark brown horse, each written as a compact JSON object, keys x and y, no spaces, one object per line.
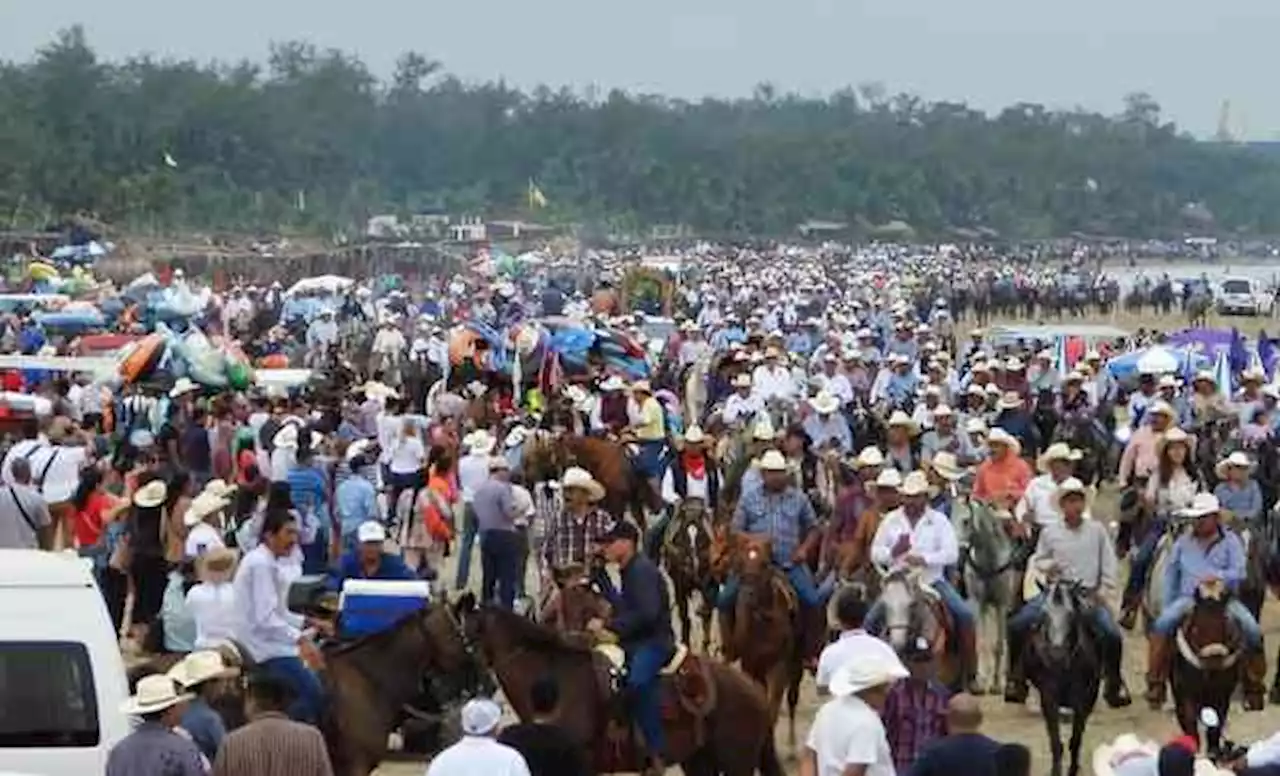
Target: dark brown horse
{"x":547,"y":455}
{"x":1206,"y":664}
{"x":717,"y":721}
{"x":686,"y":555}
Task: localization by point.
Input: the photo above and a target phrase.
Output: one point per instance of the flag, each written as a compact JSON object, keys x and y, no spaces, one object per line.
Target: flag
{"x":1188,"y":374}
{"x":169,"y":161}
{"x":536,"y":198}
{"x":1222,"y":374}
{"x":1267,"y":354}
{"x":1239,"y":355}
{"x":1060,"y":361}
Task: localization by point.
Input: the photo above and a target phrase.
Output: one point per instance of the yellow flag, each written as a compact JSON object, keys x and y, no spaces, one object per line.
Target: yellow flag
{"x":536,"y":198}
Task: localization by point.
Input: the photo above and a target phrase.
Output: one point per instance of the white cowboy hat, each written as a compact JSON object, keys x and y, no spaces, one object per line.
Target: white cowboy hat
{"x":1202,"y":504}
{"x":182,"y":387}
{"x":577,"y":477}
{"x":743,"y":380}
{"x":947,"y":466}
{"x":1167,"y":381}
{"x":150,"y":495}
{"x":975,"y":390}
{"x":1093,"y":355}
{"x":824,"y":403}
{"x":371,"y":531}
{"x":201,"y":507}
{"x":1058,"y":451}
{"x":772,"y":461}
{"x":999,"y":436}
{"x":612,"y":383}
{"x":1126,"y":756}
{"x":499,"y":463}
{"x":1010,"y":400}
{"x":943,"y":411}
{"x":1014,"y":365}
{"x":516,"y":437}
{"x":286,"y":437}
{"x":981,"y":366}
{"x":764,"y":431}
{"x":915,"y":484}
{"x":1175,"y":435}
{"x":975,"y":426}
{"x":870,"y":456}
{"x":1253,"y":373}
{"x":1238,"y":458}
{"x":219,"y":488}
{"x":356,"y":448}
{"x":1162,"y":408}
{"x":1204,"y":375}
{"x":694,"y":435}
{"x":155,"y":693}
{"x":900,"y":418}
{"x":1075,"y":376}
{"x":217,"y":564}
{"x":479,"y":442}
{"x":1066,"y":488}
{"x":877,"y":668}
{"x":199,"y":667}
{"x":772,"y":352}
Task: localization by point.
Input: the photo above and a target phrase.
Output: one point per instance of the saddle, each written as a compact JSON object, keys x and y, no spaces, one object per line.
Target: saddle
{"x":1218,"y":655}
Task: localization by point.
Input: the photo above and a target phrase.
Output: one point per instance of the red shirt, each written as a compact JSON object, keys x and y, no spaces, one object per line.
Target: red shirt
{"x":89,"y":521}
{"x":12,"y":380}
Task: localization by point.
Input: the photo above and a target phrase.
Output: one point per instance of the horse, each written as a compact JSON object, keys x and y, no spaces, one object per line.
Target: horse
{"x":717,"y":720}
{"x":762,"y":631}
{"x":608,"y":462}
{"x":1083,"y":433}
{"x":1065,"y":666}
{"x":686,"y":556}
{"x":1204,"y":672}
{"x":693,"y":383}
{"x":914,"y":610}
{"x":991,"y":576}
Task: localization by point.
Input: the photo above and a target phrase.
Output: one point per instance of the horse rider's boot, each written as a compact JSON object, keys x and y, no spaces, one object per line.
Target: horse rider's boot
{"x":1114,"y":691}
{"x":968,"y":638}
{"x":1015,"y":687}
{"x":1128,"y":614}
{"x":1157,"y":669}
{"x":1255,"y":680}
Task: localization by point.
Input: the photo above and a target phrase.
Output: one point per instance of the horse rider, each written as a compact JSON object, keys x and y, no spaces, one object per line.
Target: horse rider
{"x":886,"y":492}
{"x":649,"y":430}
{"x":772,"y":382}
{"x":944,"y":438}
{"x":692,"y":474}
{"x":1078,"y":549}
{"x":321,"y":335}
{"x":1141,"y":454}
{"x":1002,"y":479}
{"x":826,"y":428}
{"x":915,"y":536}
{"x":369,"y":559}
{"x":1039,"y":502}
{"x":572,"y":533}
{"x":742,"y":405}
{"x":1210,"y":552}
{"x":1013,"y":416}
{"x":641,"y":621}
{"x":783,"y":513}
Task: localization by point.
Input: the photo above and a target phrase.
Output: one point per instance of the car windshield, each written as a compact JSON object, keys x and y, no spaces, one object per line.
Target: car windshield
{"x":1235,"y":287}
{"x":47,"y":696}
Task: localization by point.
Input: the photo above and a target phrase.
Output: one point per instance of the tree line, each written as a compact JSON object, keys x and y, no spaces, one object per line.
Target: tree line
{"x":310,"y":138}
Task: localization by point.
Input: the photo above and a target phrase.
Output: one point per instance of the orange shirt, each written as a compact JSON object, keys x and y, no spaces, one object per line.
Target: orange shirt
{"x":1003,"y":480}
{"x":858,"y":550}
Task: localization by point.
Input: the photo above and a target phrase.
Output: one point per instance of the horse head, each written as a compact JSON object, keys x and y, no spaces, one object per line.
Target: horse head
{"x":902,"y":598}
{"x":1208,"y":639}
{"x":1061,"y":628}
{"x":688,"y":542}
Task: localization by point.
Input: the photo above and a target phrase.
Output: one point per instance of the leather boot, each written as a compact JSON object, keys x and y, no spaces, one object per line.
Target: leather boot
{"x":1114,"y":692}
{"x":1128,"y":613}
{"x":968,"y":638}
{"x":1157,"y":669}
{"x":1255,"y":680}
{"x":1015,"y":688}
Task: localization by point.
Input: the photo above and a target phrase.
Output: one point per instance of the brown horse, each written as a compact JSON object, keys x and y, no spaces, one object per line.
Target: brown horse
{"x":717,"y":721}
{"x":546,"y":456}
{"x":762,"y":631}
{"x":1205,"y":666}
{"x":686,"y":555}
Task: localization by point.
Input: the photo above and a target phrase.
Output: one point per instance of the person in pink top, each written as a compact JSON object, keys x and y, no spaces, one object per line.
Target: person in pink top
{"x":1142,"y":455}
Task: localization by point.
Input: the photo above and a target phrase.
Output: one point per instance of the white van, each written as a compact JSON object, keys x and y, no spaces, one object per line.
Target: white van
{"x":1244,"y":296}
{"x":62,"y":679}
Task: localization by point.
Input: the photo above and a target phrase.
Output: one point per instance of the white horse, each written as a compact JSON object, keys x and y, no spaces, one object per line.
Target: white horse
{"x":993,"y":583}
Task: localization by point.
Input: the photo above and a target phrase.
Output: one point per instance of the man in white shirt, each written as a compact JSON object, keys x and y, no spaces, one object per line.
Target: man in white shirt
{"x":915,"y":536}
{"x":742,"y":404}
{"x":1039,"y":503}
{"x":853,"y":644}
{"x":473,"y":471}
{"x":772,"y":381}
{"x":835,"y":382}
{"x":478,"y":751}
{"x":848,"y":737}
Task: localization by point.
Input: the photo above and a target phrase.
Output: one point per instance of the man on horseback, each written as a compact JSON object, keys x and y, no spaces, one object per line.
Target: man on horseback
{"x":642,"y":622}
{"x":691,"y":475}
{"x":1209,"y":552}
{"x":649,"y":429}
{"x":572,"y":535}
{"x":917,"y":537}
{"x":1078,"y":549}
{"x":1039,"y":503}
{"x":742,"y":405}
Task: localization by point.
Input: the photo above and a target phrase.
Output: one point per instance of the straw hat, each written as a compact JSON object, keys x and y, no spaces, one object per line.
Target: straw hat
{"x":1014,"y":365}
{"x":999,"y":436}
{"x":182,"y":387}
{"x":943,"y":411}
{"x":499,"y":463}
{"x":1162,"y":408}
{"x":201,"y":507}
{"x":577,"y":477}
{"x":641,"y":386}
{"x":824,"y":403}
{"x":1058,"y":451}
{"x":772,"y":461}
{"x":870,"y":456}
{"x":763,"y":431}
{"x":900,"y":418}
{"x":915,"y":484}
{"x":479,"y":442}
{"x":219,"y":488}
{"x":1010,"y":400}
{"x":878,"y":668}
{"x":694,"y":435}
{"x":1068,"y":487}
{"x":150,"y":495}
{"x":947,"y":466}
{"x":155,"y":693}
{"x":1238,"y":458}
{"x":1075,"y":376}
{"x":217,"y":564}
{"x":1168,"y":381}
{"x":1204,"y":375}
{"x":200,"y":667}
{"x":612,"y":383}
{"x":1175,"y":435}
{"x":975,"y":426}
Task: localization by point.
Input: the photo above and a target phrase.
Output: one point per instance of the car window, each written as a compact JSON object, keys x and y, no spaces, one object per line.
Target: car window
{"x":47,"y":696}
{"x":1236,"y":287}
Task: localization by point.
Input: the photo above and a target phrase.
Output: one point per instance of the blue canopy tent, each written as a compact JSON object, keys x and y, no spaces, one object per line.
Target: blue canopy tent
{"x":1179,"y":362}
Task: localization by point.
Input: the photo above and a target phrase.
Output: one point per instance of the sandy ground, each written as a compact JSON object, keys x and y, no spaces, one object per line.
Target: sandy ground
{"x":1024,"y":724}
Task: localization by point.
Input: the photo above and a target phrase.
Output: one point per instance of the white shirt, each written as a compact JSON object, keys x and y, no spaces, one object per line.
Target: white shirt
{"x":933,"y":539}
{"x":846,"y":731}
{"x":264,"y":624}
{"x":738,"y":407}
{"x":408,"y":455}
{"x":1263,"y":753}
{"x":1039,"y":501}
{"x":838,"y":386}
{"x":282,"y":460}
{"x":852,"y":645}
{"x":696,"y":487}
{"x":27,"y":448}
{"x":473,"y":470}
{"x":213,"y":608}
{"x":478,"y":755}
{"x":200,"y":539}
{"x":522,"y":505}
{"x":775,"y":383}
{"x":389,"y":428}
{"x":57,"y":469}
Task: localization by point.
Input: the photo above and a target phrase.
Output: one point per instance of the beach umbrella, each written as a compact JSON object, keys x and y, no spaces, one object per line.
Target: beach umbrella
{"x":1158,"y":360}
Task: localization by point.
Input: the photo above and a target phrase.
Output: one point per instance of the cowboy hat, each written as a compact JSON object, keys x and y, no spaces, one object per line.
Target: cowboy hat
{"x":1204,"y":375}
{"x":877,"y":668}
{"x":975,"y":426}
{"x":371,"y":532}
{"x":1238,"y":458}
{"x":981,"y":366}
{"x":943,"y":411}
{"x":1162,"y":408}
{"x":694,"y":435}
{"x":516,"y":437}
{"x":1173,"y":436}
{"x":359,"y":447}
{"x":1014,"y":365}
{"x":1168,"y":381}
{"x":182,"y":387}
{"x":479,"y":442}
{"x":201,"y":507}
{"x":219,"y":488}
{"x":1201,"y":505}
{"x":1058,"y":451}
{"x":1124,"y":756}
{"x":1066,"y":488}
{"x":900,"y":418}
{"x":499,"y":463}
{"x":155,"y":693}
{"x":200,"y":667}
{"x":641,"y":386}
{"x":216,"y":564}
{"x":286,"y":437}
{"x":772,"y":461}
{"x":999,"y":436}
{"x":824,"y":403}
{"x":975,"y":390}
{"x":150,"y":495}
{"x":947,"y":466}
{"x":743,"y":380}
{"x":1010,"y":400}
{"x":59,"y":429}
{"x":763,"y":430}
{"x":612,"y":383}
{"x":915,"y":484}
{"x":577,"y":477}
{"x":870,"y":456}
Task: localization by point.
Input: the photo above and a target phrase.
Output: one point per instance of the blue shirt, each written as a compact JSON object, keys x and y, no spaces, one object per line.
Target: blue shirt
{"x":642,"y":610}
{"x":205,"y":726}
{"x":307,"y":489}
{"x":1191,"y":562}
{"x":834,"y":427}
{"x":1245,"y":503}
{"x":357,"y":502}
{"x":391,"y":567}
{"x":786,"y":517}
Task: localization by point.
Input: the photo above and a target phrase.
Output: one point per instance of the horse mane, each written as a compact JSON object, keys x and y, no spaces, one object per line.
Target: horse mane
{"x":531,"y":634}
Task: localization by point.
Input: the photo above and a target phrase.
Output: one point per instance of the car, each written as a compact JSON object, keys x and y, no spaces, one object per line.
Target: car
{"x":1244,"y":296}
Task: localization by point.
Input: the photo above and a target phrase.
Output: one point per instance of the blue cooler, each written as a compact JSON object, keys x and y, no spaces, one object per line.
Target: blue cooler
{"x":371,"y":606}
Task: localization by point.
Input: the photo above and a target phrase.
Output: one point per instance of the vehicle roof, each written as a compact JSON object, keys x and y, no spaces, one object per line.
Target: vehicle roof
{"x":36,"y":568}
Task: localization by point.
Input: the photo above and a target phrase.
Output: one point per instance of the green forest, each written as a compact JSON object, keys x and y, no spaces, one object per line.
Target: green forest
{"x":311,"y":139}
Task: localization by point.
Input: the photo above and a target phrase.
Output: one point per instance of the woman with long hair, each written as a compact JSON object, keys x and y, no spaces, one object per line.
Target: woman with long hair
{"x":147,"y":567}
{"x":429,"y":527}
{"x":406,"y":465}
{"x":97,"y":533}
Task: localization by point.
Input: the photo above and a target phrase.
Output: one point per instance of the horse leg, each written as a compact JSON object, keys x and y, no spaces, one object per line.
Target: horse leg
{"x":705,"y":612}
{"x":682,"y":607}
{"x":1053,"y":727}
{"x":793,"y":699}
{"x":1000,"y":613}
{"x":1079,"y":718}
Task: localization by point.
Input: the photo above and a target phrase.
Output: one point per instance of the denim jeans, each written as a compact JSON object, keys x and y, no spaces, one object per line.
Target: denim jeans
{"x":653,"y":537}
{"x":499,"y":563}
{"x":643,"y":666}
{"x":810,"y":593}
{"x":1031,"y":611}
{"x":1173,"y":615}
{"x":308,"y":701}
{"x":465,"y":543}
{"x":1140,"y":568}
{"x":957,"y":606}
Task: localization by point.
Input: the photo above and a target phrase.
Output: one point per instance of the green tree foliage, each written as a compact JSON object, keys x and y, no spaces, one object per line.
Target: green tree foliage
{"x":253,"y":142}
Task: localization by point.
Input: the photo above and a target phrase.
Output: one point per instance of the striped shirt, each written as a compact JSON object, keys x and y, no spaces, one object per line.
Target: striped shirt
{"x":273,"y":745}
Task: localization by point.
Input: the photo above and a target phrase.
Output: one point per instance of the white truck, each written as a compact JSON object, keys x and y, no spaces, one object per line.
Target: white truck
{"x":1244,"y":296}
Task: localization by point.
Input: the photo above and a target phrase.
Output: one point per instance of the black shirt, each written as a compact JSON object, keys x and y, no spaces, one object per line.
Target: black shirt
{"x":972,"y":754}
{"x":547,"y":749}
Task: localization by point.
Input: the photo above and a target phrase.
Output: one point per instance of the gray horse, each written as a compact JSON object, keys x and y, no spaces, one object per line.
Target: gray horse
{"x":991,"y":577}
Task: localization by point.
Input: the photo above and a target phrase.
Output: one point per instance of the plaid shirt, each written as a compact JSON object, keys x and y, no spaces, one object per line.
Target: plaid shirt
{"x":913,"y":715}
{"x":570,"y":539}
{"x":785,"y":517}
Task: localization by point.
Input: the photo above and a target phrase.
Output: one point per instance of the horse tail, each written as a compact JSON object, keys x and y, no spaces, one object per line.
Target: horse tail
{"x":769,"y":765}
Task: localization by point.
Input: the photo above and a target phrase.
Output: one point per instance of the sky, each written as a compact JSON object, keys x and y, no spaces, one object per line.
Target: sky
{"x":1192,"y":55}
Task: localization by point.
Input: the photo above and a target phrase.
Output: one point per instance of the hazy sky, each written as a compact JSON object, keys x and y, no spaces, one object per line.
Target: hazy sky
{"x":1190,"y":54}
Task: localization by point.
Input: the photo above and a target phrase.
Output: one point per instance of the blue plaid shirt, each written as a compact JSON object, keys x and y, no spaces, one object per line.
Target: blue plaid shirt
{"x":786,"y":517}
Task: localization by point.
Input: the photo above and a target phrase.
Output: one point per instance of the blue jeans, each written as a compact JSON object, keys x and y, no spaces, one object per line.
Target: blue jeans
{"x":465,"y":543}
{"x":957,"y":606}
{"x":649,"y":461}
{"x":643,"y":665}
{"x":500,"y":556}
{"x":1140,"y":568}
{"x":315,"y":556}
{"x":1031,"y":611}
{"x":810,"y":593}
{"x":653,"y":538}
{"x":1173,"y":615}
{"x":308,"y":701}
